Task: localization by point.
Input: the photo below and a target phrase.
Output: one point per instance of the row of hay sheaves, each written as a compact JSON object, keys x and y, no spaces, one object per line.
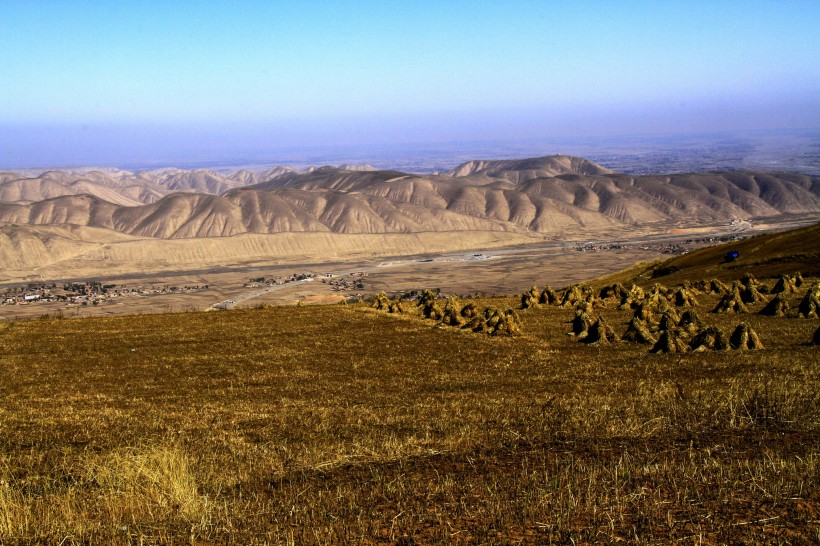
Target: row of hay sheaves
{"x":655,"y":312}
{"x":451,"y":312}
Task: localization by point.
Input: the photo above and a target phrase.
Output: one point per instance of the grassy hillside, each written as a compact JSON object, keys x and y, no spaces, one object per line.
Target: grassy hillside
{"x":768,"y":255}
{"x":344,"y":424}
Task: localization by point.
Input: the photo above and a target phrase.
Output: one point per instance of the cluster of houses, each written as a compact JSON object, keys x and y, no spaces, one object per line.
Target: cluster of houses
{"x":272,"y":281}
{"x":669,"y":248}
{"x":352,"y":281}
{"x":83,"y":293}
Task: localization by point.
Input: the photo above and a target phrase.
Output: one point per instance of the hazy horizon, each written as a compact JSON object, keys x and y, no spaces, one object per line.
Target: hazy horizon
{"x":157,"y":83}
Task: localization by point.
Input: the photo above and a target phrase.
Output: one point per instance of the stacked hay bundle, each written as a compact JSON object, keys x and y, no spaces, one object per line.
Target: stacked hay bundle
{"x":809,"y":306}
{"x":396,"y":307}
{"x":469,"y":311}
{"x":750,"y":292}
{"x":694,"y":287}
{"x":548,"y":296}
{"x":777,"y":307}
{"x":583,"y":306}
{"x":593,"y":301}
{"x":572,"y":295}
{"x":669,"y":320}
{"x":657,"y":300}
{"x":816,"y":339}
{"x":477,"y":324}
{"x":530,"y":298}
{"x":710,"y":338}
{"x":600,"y":333}
{"x":502,"y":323}
{"x":580,"y":324}
{"x":784,"y":285}
{"x":430,"y":308}
{"x":717,"y":287}
{"x":745,"y":338}
{"x":669,"y":342}
{"x":798,"y":279}
{"x":451,"y":315}
{"x":644,"y":314}
{"x":381,"y":302}
{"x":637,"y":332}
{"x":748,"y":280}
{"x":690,"y":322}
{"x":632,"y":298}
{"x":731,"y":302}
{"x":660,"y":291}
{"x":613,"y":291}
{"x":685,"y":298}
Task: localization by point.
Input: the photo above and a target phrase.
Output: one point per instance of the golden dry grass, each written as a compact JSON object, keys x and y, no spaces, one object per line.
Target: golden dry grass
{"x":344,"y":424}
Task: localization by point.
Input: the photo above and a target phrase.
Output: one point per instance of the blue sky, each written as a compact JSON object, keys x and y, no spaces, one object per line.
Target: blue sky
{"x":380,"y":71}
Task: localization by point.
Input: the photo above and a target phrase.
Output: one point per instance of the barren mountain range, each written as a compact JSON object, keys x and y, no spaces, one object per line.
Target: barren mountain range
{"x":557,"y":196}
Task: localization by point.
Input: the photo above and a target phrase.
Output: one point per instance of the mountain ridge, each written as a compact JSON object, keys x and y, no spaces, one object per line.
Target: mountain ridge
{"x":502,"y":195}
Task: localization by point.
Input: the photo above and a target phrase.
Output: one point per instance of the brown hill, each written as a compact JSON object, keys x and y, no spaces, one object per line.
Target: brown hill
{"x":521,"y":170}
{"x":341,"y":201}
{"x":767,"y":255}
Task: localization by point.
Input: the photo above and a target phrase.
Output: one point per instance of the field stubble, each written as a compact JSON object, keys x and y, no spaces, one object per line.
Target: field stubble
{"x":342,"y":424}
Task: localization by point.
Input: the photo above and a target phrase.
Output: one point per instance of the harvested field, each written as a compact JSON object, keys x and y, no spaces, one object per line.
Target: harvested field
{"x":346,"y":424}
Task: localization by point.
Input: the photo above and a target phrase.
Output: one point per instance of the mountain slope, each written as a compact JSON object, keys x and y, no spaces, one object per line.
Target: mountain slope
{"x":341,"y":201}
{"x":767,"y":255}
{"x":521,"y":170}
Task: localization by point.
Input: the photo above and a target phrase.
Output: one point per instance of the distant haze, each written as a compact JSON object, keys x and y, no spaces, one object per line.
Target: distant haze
{"x":176,"y":83}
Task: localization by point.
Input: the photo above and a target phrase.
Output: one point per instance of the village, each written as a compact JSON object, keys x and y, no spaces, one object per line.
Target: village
{"x":668,"y":248}
{"x":83,"y":293}
{"x":338,"y":282}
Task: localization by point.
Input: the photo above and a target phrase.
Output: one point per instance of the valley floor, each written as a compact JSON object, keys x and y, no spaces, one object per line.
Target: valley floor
{"x":483,"y":263}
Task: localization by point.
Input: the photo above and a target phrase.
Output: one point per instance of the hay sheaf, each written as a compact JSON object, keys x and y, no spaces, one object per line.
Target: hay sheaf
{"x":613,"y":291}
{"x":816,"y":338}
{"x":731,"y":303}
{"x":580,"y":324}
{"x":660,"y":290}
{"x":709,"y":339}
{"x":694,"y":287}
{"x":644,"y":314}
{"x":784,"y":285}
{"x":600,"y":333}
{"x":572,"y":295}
{"x":685,"y":298}
{"x":451,"y":314}
{"x":690,"y":321}
{"x":751,"y":294}
{"x":548,"y":296}
{"x":669,"y":342}
{"x":430,"y":308}
{"x":669,"y":320}
{"x":637,"y":332}
{"x":809,"y":306}
{"x":502,"y":323}
{"x":717,"y":287}
{"x":530,"y":298}
{"x":469,"y":311}
{"x":381,"y":302}
{"x":745,"y":338}
{"x":777,"y":307}
{"x":632,"y":298}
